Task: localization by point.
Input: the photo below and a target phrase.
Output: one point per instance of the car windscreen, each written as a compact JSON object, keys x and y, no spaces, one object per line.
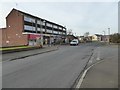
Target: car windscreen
{"x":74,"y":41}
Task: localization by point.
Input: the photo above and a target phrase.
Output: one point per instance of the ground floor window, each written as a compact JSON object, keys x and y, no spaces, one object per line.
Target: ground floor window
{"x":32,"y":42}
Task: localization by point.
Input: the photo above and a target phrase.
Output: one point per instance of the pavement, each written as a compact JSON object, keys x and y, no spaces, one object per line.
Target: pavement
{"x":103,"y":68}
{"x":23,"y":54}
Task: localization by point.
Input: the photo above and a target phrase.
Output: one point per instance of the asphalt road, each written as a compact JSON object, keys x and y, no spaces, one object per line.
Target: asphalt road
{"x":104,"y":73}
{"x":57,"y":69}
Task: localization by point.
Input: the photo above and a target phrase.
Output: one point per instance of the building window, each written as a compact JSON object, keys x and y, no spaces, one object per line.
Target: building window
{"x":60,"y":28}
{"x":43,"y":23}
{"x":55,"y":26}
{"x":29,"y":19}
{"x":43,"y":30}
{"x":31,"y":28}
{"x":64,"y":33}
{"x":49,"y":31}
{"x":64,"y":29}
{"x":49,"y":25}
{"x":60,"y":32}
{"x":38,"y":22}
{"x":38,"y":29}
{"x":55,"y":32}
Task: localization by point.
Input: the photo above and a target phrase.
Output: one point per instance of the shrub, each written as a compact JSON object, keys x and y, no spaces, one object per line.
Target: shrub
{"x":115,"y":38}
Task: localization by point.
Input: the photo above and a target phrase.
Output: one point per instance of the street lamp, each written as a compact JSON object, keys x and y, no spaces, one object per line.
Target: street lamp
{"x":51,"y":35}
{"x":32,"y":32}
{"x":109,"y":34}
{"x":104,"y":35}
{"x":41,"y":31}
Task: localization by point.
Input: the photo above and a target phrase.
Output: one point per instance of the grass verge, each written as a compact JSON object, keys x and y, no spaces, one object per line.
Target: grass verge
{"x":12,"y":48}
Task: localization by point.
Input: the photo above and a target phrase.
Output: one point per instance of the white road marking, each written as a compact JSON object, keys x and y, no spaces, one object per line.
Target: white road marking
{"x":84,"y":74}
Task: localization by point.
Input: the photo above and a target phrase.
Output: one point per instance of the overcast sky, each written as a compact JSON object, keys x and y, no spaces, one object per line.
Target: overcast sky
{"x":81,"y":17}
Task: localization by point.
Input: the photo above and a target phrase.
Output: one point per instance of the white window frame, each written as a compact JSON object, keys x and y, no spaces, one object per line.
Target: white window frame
{"x":49,"y":31}
{"x":49,"y":25}
{"x":30,"y":28}
{"x":55,"y":26}
{"x":64,"y":29}
{"x":29,"y":19}
{"x":60,"y":28}
{"x":38,"y":22}
{"x":38,"y":29}
{"x":55,"y":32}
{"x":43,"y":30}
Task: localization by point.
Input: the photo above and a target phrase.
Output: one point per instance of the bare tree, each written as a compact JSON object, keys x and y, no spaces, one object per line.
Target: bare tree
{"x":86,"y":34}
{"x":70,"y":32}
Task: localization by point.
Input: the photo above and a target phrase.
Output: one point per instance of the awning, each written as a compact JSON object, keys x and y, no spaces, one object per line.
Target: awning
{"x":32,"y":36}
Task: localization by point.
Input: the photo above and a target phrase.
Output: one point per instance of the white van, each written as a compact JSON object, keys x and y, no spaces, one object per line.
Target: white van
{"x":74,"y":42}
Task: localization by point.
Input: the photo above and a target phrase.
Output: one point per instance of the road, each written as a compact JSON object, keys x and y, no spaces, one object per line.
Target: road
{"x":104,"y":73}
{"x":57,"y":69}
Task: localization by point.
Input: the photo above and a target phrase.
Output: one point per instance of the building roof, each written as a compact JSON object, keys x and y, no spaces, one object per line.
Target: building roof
{"x":2,"y":28}
{"x":35,"y":17}
{"x":98,"y":35}
{"x":81,"y":36}
{"x":71,"y":36}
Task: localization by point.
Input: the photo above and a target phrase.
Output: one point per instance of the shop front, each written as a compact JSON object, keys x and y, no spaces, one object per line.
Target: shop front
{"x":34,"y":40}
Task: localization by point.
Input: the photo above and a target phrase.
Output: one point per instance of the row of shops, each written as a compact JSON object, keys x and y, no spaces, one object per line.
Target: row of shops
{"x":44,"y":39}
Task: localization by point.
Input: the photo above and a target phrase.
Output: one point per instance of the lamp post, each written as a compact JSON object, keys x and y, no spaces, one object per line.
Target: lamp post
{"x":104,"y":35}
{"x":32,"y":32}
{"x":51,"y":36}
{"x":41,"y":31}
{"x":109,"y":34}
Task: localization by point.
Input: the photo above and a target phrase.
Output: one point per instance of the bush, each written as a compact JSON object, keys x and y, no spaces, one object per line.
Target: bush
{"x":115,"y":38}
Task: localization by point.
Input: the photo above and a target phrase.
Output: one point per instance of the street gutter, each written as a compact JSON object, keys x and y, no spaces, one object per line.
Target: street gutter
{"x":82,"y":74}
{"x":34,"y":54}
{"x":85,"y":72}
{"x":75,"y":84}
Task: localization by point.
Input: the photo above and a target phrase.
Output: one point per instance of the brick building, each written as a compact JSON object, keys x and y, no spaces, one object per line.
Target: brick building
{"x":25,"y":29}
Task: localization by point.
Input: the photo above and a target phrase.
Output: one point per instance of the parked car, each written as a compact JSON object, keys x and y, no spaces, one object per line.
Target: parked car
{"x":74,"y":42}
